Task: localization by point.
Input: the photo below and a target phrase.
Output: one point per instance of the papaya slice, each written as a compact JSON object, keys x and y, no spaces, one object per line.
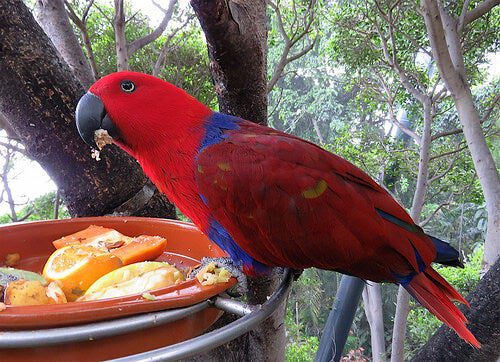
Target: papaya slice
{"x":140,"y":248}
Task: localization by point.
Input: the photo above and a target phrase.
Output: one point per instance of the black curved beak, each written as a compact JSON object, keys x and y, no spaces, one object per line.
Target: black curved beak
{"x":91,"y":116}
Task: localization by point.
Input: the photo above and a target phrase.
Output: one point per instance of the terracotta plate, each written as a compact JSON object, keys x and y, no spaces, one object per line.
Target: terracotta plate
{"x":186,"y":245}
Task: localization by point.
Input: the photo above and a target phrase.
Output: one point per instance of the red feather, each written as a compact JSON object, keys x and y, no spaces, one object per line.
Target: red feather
{"x":287,"y":202}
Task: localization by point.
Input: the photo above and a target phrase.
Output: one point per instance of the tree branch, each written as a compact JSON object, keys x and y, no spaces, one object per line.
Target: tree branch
{"x":481,"y":9}
{"x":436,"y":34}
{"x":431,"y":216}
{"x":447,"y":153}
{"x":393,"y":62}
{"x":484,"y":118}
{"x":163,"y":52}
{"x":14,"y":148}
{"x":290,"y":41}
{"x":448,"y":169}
{"x":155,"y":34}
{"x":461,"y":18}
{"x":81,"y":24}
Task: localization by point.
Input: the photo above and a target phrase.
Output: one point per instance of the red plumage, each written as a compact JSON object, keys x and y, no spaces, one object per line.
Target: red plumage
{"x":287,"y":202}
{"x":284,"y":201}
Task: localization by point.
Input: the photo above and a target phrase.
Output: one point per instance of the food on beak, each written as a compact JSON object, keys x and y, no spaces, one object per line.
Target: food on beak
{"x":102,"y":138}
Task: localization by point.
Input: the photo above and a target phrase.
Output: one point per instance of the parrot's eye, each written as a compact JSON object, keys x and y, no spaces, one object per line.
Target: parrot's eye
{"x":127,"y":86}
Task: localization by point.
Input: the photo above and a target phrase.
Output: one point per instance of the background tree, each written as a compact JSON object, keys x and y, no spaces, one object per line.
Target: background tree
{"x":447,"y":34}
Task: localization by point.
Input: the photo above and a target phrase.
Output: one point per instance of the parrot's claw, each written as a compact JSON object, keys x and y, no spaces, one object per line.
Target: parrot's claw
{"x":232,"y":267}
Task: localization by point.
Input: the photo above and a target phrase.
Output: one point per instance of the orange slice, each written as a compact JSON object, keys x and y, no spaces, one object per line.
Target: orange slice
{"x":76,"y":267}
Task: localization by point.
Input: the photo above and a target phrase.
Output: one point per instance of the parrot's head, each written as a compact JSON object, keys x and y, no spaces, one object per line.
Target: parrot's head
{"x":138,"y":111}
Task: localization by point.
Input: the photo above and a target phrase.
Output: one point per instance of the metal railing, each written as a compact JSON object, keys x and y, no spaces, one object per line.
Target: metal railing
{"x":330,"y":349}
{"x":252,"y":315}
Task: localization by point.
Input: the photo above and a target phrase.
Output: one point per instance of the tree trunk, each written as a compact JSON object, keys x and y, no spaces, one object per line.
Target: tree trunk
{"x":236,"y":33}
{"x":403,"y":299}
{"x":483,"y":316}
{"x":52,"y":16}
{"x":120,"y":40}
{"x":38,"y":96}
{"x":372,"y":300}
{"x":448,"y":53}
{"x":486,"y":171}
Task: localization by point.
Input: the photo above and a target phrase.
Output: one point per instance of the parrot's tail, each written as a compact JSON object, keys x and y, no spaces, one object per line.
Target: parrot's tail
{"x":435,"y":294}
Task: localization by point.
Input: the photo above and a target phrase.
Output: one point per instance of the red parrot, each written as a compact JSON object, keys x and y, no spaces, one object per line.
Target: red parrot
{"x":269,"y":199}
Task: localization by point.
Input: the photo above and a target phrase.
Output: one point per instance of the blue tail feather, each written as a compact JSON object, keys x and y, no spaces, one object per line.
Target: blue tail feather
{"x":445,"y":253}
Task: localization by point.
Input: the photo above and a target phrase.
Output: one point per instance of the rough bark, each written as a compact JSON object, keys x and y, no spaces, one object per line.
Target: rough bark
{"x":52,"y":16}
{"x":236,"y":33}
{"x":38,"y":96}
{"x":483,"y":316}
{"x":372,"y":300}
{"x":443,"y":35}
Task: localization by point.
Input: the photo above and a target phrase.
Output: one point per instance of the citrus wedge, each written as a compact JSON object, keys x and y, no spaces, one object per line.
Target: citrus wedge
{"x":133,"y":279}
{"x":76,"y":267}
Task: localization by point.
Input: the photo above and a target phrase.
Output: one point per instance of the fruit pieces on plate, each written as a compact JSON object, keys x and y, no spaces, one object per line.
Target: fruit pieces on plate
{"x":21,"y":287}
{"x":140,"y":248}
{"x":76,"y":267}
{"x":84,"y":257}
{"x":210,"y":275}
{"x":33,"y":292}
{"x":133,"y":279}
{"x":97,"y":236}
{"x":129,"y":250}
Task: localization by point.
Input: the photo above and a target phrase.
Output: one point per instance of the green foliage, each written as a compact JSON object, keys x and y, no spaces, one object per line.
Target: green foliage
{"x":303,"y":351}
{"x":41,"y":208}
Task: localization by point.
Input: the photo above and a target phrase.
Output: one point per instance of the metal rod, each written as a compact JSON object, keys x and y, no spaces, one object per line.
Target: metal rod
{"x":234,"y":306}
{"x":220,"y":336}
{"x":93,"y":331}
{"x":340,"y":319}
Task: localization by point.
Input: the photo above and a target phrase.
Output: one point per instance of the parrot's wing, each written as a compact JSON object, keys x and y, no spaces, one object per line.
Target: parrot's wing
{"x":287,"y":202}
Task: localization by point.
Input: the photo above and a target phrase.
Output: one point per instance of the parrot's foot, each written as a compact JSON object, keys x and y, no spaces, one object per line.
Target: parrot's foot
{"x":297,"y":273}
{"x":231,"y":267}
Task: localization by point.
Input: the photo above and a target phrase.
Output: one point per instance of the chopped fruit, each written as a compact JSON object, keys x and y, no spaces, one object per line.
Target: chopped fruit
{"x":8,"y":275}
{"x":54,"y":292}
{"x":210,"y":275}
{"x":97,"y":236}
{"x":141,"y":248}
{"x":32,"y":292}
{"x":129,"y":250}
{"x":133,"y":279}
{"x":148,"y":296}
{"x":76,"y":267}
